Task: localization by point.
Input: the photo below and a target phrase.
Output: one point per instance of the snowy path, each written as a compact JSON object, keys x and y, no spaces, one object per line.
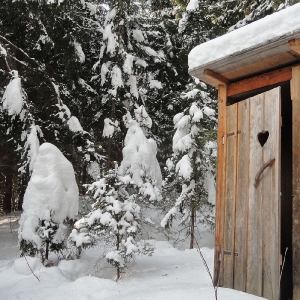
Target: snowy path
{"x":168,"y":274}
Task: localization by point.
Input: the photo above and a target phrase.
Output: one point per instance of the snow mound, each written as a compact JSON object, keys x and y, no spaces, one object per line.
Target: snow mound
{"x":52,"y":192}
{"x":21,"y":265}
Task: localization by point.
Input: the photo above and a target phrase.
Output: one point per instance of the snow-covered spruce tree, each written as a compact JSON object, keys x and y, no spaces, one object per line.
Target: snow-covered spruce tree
{"x":235,"y":14}
{"x":139,"y":159}
{"x":133,"y":70}
{"x":46,"y":42}
{"x":50,"y":203}
{"x":192,"y":162}
{"x":120,"y":194}
{"x":114,"y":219}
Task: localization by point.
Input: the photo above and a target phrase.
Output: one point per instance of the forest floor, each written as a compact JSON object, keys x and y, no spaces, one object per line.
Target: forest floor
{"x":169,"y":274}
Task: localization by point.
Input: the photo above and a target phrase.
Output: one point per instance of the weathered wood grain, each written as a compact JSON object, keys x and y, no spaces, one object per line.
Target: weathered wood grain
{"x":256,"y":82}
{"x":214,"y":79}
{"x":219,"y":231}
{"x":242,"y":195}
{"x":254,"y":239}
{"x":230,"y":195}
{"x":270,"y":196}
{"x":295,"y":45}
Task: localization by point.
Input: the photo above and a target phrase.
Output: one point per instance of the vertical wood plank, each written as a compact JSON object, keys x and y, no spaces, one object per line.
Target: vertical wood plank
{"x":230,"y":196}
{"x":242,"y":196}
{"x":254,"y":239}
{"x":295,"y":95}
{"x":270,"y":181}
{"x":218,"y":268}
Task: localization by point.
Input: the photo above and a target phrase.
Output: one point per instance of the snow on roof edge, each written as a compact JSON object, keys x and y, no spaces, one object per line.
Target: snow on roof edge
{"x":247,"y":38}
{"x":248,"y":50}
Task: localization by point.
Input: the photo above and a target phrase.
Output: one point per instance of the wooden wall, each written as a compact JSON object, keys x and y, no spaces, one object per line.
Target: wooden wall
{"x":248,"y":210}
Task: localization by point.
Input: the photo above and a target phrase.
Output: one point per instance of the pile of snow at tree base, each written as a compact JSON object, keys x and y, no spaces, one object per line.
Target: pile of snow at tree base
{"x":279,"y":24}
{"x":169,"y":274}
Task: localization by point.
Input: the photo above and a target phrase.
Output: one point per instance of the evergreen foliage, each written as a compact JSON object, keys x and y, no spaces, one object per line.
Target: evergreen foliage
{"x":50,"y":203}
{"x":101,"y":78}
{"x":193,"y":161}
{"x":115,"y":216}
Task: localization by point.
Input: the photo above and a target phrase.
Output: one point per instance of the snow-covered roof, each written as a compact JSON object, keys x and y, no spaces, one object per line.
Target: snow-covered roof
{"x":264,"y":41}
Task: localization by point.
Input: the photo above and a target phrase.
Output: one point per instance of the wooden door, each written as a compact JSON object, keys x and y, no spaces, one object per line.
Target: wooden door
{"x":249,"y":230}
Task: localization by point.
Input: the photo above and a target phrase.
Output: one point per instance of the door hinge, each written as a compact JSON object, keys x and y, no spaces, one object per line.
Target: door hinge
{"x":223,"y":139}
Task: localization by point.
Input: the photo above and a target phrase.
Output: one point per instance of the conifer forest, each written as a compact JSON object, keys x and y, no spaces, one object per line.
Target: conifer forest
{"x":100,"y":91}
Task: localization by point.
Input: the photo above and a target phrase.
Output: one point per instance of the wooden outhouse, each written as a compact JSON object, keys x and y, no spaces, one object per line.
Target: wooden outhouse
{"x":257,"y":72}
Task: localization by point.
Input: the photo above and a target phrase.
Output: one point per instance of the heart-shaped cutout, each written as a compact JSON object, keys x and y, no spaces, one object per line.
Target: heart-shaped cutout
{"x":263,"y":137}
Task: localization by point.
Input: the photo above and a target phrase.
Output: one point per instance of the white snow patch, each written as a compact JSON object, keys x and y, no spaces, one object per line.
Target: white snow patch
{"x":184,"y":168}
{"x":33,"y":144}
{"x":193,"y":5}
{"x":139,"y":156}
{"x":142,"y":116}
{"x":51,"y":191}
{"x":79,"y":52}
{"x":74,"y":124}
{"x":141,"y":63}
{"x":109,"y":127}
{"x":13,"y":98}
{"x":111,"y":39}
{"x":116,"y":77}
{"x":127,"y":67}
{"x":138,"y":35}
{"x":254,"y":34}
{"x":133,"y":86}
{"x":3,"y":52}
{"x":155,"y":84}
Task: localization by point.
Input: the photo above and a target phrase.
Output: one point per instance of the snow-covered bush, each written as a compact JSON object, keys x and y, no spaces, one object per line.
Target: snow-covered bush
{"x":139,"y":159}
{"x":192,"y":162}
{"x":115,"y":217}
{"x":50,"y":202}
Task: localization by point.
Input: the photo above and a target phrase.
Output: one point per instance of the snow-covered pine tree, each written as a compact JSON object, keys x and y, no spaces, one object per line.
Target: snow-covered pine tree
{"x":235,"y":14}
{"x":139,"y":159}
{"x":46,"y":41}
{"x":192,"y":162}
{"x":50,"y":202}
{"x":114,"y":219}
{"x":116,"y":215}
{"x":134,"y":70}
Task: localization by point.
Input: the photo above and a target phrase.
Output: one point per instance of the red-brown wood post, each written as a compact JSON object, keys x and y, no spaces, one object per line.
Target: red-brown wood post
{"x":222,"y":97}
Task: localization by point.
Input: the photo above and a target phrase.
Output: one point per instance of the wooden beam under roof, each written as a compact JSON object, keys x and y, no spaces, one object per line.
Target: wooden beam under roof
{"x":257,"y":82}
{"x":295,"y":46}
{"x":215,"y":78}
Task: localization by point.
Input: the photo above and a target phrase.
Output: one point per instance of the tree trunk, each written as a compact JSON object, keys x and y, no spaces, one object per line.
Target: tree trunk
{"x":192,"y":225}
{"x":22,"y":193}
{"x":47,"y":250}
{"x":118,"y":268}
{"x":8,"y":192}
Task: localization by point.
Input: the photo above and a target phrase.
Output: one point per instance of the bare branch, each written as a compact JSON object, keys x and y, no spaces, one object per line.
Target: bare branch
{"x":31,"y":269}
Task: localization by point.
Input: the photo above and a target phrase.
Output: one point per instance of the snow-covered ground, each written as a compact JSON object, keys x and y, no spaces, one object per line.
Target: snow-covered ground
{"x":168,"y":274}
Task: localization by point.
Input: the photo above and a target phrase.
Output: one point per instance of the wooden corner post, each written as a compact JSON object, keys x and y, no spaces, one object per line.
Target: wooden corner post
{"x":295,"y":95}
{"x":222,"y":99}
